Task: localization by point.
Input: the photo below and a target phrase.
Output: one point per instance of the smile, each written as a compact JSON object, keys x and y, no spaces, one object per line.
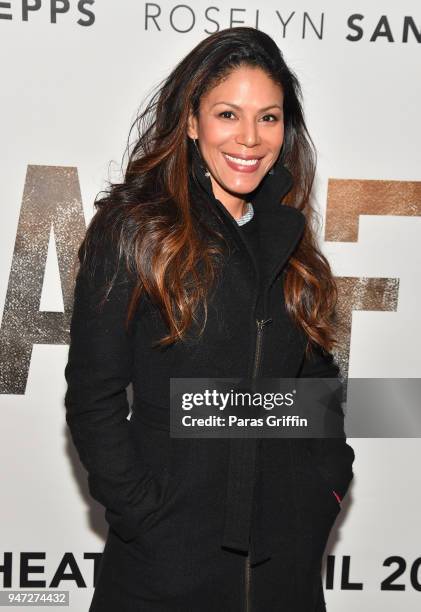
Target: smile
{"x":242,"y":164}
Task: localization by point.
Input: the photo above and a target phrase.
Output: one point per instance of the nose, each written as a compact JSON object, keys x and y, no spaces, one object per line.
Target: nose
{"x":248,"y":133}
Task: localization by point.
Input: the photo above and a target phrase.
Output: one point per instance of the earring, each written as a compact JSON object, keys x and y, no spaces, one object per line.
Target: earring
{"x":207,"y":173}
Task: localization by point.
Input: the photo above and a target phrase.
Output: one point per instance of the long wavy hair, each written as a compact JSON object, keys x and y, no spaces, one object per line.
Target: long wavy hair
{"x":149,"y":216}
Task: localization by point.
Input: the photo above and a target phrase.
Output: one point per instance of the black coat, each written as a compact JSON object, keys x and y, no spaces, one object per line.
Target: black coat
{"x":184,"y":513}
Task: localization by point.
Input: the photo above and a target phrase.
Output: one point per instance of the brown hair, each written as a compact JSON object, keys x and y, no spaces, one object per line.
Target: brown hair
{"x":149,"y":215}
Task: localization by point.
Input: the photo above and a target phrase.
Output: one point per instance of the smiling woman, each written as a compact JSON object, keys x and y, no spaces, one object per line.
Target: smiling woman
{"x":179,"y":279}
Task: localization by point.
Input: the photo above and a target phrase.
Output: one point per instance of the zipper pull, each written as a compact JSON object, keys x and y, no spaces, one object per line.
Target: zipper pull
{"x":262,"y":322}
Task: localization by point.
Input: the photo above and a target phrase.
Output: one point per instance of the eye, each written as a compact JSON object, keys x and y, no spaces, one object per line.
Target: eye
{"x":225,"y":113}
{"x":228,"y":112}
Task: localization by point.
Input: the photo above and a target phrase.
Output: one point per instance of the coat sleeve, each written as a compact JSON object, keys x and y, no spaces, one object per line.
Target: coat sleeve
{"x":99,"y":368}
{"x":334,"y":455}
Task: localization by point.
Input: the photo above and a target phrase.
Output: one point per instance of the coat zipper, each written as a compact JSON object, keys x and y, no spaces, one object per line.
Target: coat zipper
{"x":257,"y":358}
{"x":247,"y":581}
{"x":260,"y":325}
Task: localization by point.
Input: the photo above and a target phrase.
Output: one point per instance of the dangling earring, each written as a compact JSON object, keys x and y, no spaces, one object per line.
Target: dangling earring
{"x":207,"y":173}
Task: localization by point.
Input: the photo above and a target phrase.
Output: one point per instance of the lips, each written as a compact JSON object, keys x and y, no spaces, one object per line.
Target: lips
{"x":247,"y":165}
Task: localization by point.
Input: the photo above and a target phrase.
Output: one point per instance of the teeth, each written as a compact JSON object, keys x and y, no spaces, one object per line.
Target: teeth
{"x":243,"y":162}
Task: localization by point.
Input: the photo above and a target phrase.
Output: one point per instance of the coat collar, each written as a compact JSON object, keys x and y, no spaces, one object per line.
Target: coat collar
{"x":279,"y":226}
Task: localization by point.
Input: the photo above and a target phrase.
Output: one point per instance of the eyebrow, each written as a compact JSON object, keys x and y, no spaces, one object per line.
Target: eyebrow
{"x":239,"y":107}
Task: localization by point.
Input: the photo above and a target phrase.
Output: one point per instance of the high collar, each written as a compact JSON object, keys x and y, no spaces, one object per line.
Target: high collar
{"x":279,"y":226}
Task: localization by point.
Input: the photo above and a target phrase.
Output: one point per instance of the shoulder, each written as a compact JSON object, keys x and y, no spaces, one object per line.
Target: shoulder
{"x":102,"y":253}
{"x":103,"y":279}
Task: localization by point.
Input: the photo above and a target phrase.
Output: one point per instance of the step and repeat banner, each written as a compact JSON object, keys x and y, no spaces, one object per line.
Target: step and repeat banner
{"x":74,"y":74}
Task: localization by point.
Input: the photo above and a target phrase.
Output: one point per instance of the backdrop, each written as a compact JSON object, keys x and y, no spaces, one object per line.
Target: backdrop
{"x":73,"y":76}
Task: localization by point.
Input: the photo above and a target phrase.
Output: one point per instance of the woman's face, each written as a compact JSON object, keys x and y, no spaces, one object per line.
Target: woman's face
{"x":242,"y":117}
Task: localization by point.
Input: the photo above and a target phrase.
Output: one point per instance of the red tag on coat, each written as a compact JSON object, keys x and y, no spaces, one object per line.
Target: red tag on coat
{"x":337,"y":496}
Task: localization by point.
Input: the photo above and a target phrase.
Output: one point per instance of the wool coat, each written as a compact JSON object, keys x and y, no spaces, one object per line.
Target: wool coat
{"x":203,"y":524}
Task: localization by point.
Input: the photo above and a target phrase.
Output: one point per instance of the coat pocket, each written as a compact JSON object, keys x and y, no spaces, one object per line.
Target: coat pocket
{"x":153,"y":449}
{"x":154,"y":517}
{"x":138,"y":519}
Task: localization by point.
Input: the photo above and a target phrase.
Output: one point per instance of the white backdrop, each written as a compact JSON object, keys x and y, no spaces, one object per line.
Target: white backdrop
{"x":71,"y":84}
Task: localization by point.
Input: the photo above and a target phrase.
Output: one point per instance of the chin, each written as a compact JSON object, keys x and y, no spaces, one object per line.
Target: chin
{"x":247,"y":184}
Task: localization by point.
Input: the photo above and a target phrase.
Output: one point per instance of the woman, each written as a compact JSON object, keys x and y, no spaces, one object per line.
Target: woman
{"x":203,"y":263}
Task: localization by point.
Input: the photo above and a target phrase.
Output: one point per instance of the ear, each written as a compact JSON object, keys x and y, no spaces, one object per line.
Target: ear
{"x":192,"y":125}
